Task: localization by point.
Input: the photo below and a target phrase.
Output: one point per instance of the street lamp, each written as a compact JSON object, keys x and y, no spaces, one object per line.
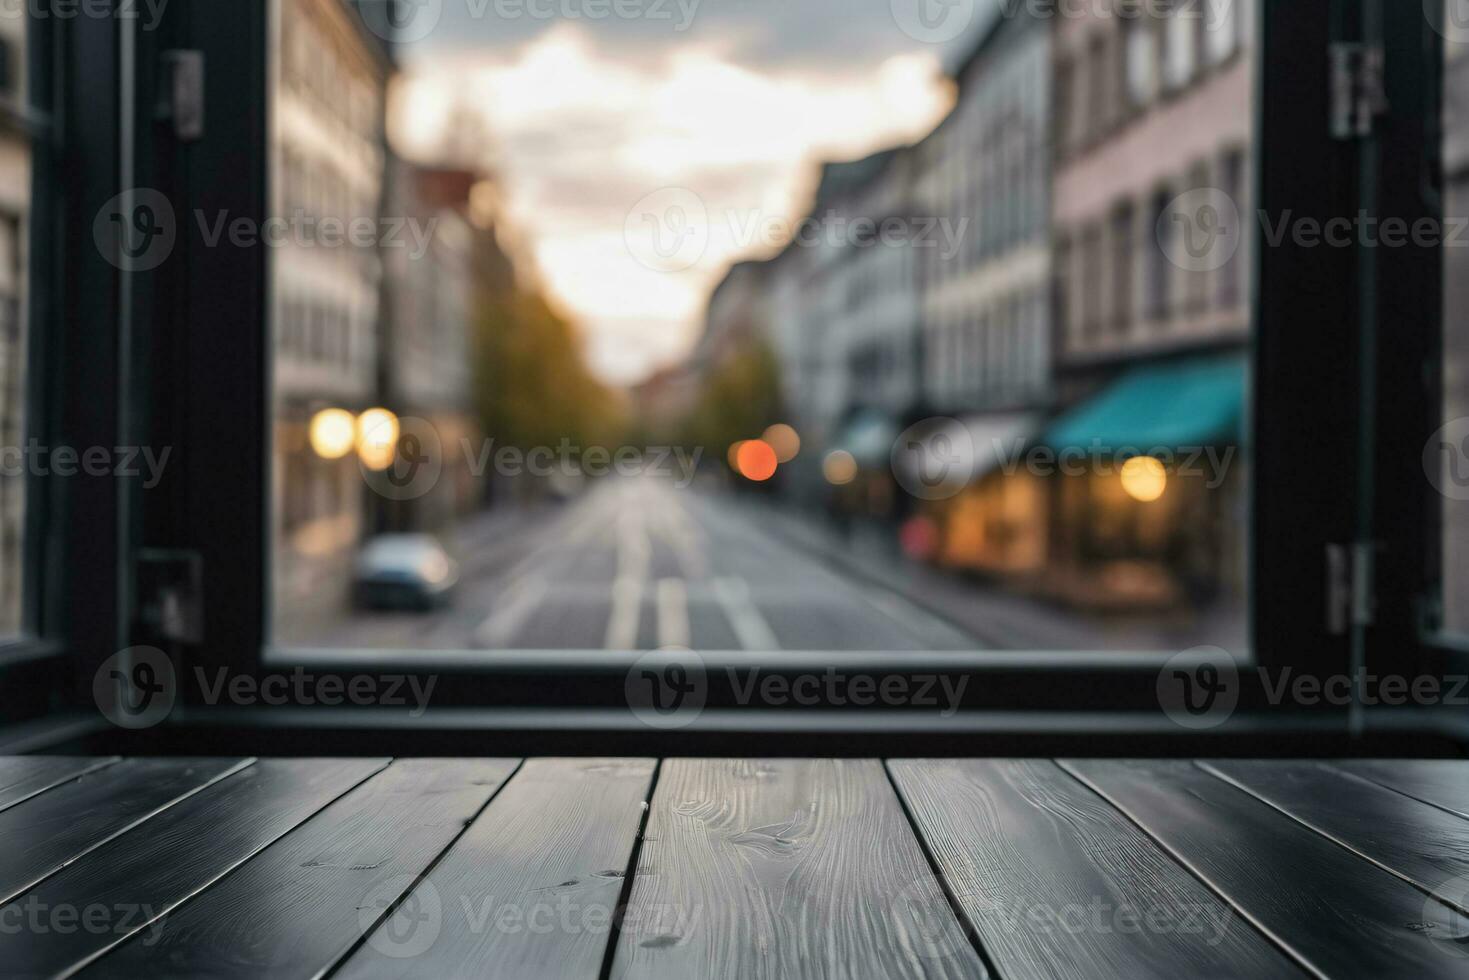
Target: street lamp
{"x":332,"y":433}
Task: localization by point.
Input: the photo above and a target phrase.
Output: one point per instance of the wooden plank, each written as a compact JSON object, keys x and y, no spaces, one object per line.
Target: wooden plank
{"x":125,"y":886}
{"x":1342,"y":916}
{"x":1422,"y":844}
{"x":299,"y":907}
{"x":1057,"y":883}
{"x":51,"y":830}
{"x":1439,"y":782}
{"x":25,"y":776}
{"x":783,"y":869}
{"x":531,"y":889}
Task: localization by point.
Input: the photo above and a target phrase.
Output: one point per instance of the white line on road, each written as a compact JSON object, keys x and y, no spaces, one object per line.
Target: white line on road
{"x":512,"y":609}
{"x":627,"y":608}
{"x":750,"y":626}
{"x":633,"y":553}
{"x":673,"y":613}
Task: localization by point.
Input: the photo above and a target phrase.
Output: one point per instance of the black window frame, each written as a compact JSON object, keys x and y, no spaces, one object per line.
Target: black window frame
{"x":204,"y":368}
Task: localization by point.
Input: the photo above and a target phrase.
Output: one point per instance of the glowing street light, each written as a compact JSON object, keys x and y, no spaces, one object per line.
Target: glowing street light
{"x":784,"y":440}
{"x":377,"y":438}
{"x":757,"y":461}
{"x":332,"y":433}
{"x":1144,"y":478}
{"x":839,"y":467}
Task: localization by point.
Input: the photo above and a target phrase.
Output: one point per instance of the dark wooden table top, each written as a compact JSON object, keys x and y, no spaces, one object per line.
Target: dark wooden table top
{"x":723,"y":868}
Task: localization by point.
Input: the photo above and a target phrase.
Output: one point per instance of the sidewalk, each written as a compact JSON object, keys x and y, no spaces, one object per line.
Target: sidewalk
{"x":998,"y":619}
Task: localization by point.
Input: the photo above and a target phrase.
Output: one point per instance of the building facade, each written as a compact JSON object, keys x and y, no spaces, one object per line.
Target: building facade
{"x":426,"y":369}
{"x":985,"y":174}
{"x":329,"y":81}
{"x":1153,"y":123}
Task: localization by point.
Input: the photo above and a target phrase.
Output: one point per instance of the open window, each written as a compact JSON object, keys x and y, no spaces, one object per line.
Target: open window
{"x":582,"y":365}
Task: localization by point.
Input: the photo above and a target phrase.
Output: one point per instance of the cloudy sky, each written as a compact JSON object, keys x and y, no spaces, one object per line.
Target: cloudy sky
{"x":690,"y":114}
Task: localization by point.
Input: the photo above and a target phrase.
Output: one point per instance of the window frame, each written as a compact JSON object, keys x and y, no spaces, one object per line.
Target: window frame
{"x":219,"y":508}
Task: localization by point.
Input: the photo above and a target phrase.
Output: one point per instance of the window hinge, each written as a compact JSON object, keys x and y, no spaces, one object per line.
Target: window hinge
{"x":171,"y":595}
{"x":1349,"y":585}
{"x":1358,"y":88}
{"x":181,"y":97}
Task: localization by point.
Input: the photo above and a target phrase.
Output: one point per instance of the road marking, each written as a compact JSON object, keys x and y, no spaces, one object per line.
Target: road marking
{"x":513,"y":608}
{"x":673,"y":613}
{"x":749,"y":624}
{"x":633,"y":552}
{"x":683,"y":535}
{"x":627,"y":609}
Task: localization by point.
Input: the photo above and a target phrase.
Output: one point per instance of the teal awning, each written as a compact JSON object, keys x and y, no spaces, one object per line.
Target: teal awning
{"x":1183,"y":404}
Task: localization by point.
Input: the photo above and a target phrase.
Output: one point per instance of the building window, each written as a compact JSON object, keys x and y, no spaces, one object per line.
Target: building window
{"x":1099,"y":105}
{"x":1181,"y":57}
{"x":1142,"y":61}
{"x":1159,"y":277}
{"x":1065,"y":81}
{"x":1221,"y":29}
{"x":1122,"y":267}
{"x":1231,"y":277}
{"x":1196,"y":281}
{"x":1061,"y":287}
{"x":1091,"y":281}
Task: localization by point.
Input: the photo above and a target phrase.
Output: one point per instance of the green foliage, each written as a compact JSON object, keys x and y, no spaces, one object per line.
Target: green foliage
{"x":532,"y":383}
{"x":741,"y":397}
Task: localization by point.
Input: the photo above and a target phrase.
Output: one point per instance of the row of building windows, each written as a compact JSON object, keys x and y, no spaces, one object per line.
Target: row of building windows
{"x":315,"y":332}
{"x":313,"y":68}
{"x":1128,"y":63}
{"x":994,"y":358}
{"x":1120,"y":270}
{"x":313,"y":189}
{"x":993,"y":167}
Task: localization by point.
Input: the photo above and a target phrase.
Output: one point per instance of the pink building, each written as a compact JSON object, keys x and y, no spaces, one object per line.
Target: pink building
{"x":1153,"y":226}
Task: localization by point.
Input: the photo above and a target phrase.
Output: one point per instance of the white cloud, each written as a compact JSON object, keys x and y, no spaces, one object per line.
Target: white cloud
{"x":581,"y":137}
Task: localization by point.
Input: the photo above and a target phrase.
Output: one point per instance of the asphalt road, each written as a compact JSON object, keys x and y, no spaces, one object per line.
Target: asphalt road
{"x":637,"y":565}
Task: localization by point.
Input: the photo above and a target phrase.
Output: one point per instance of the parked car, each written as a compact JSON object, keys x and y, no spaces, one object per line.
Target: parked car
{"x":404,"y":571}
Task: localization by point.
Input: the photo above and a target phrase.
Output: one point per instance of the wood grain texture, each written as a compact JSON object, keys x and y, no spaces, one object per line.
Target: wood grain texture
{"x":49,"y":831}
{"x":1058,"y":884}
{"x":531,"y":889}
{"x":301,"y":904}
{"x":1422,"y":843}
{"x":1440,"y":782}
{"x":139,"y":876}
{"x":784,"y":869}
{"x":27,"y":776}
{"x":1336,"y":912}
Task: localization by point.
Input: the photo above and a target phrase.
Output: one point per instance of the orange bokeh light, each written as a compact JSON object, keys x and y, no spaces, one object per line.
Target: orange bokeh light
{"x":756,"y":460}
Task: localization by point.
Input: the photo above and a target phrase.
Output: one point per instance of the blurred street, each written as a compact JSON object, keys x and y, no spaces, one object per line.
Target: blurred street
{"x":635,"y":564}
